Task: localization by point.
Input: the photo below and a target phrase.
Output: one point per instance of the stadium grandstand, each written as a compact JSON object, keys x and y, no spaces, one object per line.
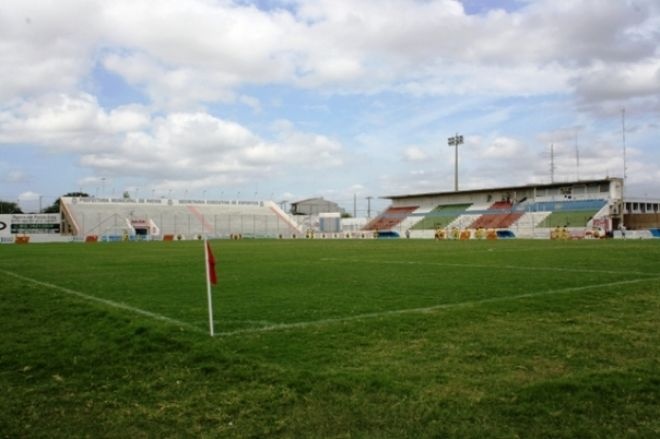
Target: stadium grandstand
{"x":576,"y":209}
{"x":579,"y":209}
{"x":122,"y":218}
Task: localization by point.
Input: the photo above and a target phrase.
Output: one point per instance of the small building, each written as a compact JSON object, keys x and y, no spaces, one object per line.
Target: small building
{"x":330,"y":222}
{"x":315,"y":206}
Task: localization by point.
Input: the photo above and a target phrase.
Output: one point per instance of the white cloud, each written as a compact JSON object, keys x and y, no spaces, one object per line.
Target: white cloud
{"x":199,"y":59}
{"x":314,"y":150}
{"x":11,"y":174}
{"x":183,"y":54}
{"x":66,"y":122}
{"x":414,"y":154}
{"x":503,"y":148}
{"x":45,"y":46}
{"x":15,"y":176}
{"x":125,"y":118}
{"x":199,"y":147}
{"x":251,"y":102}
{"x":92,"y":180}
{"x":464,"y":79}
{"x":619,"y":82}
{"x":29,"y":196}
{"x":180,"y":146}
{"x":172,"y":88}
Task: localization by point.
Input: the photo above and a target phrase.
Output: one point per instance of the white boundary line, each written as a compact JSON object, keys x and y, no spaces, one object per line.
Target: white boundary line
{"x":322,"y":322}
{"x":106,"y":302}
{"x":425,"y":310}
{"x":492,"y":267}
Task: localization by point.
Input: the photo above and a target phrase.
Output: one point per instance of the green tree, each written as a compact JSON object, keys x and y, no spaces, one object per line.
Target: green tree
{"x":9,"y":207}
{"x":55,"y":207}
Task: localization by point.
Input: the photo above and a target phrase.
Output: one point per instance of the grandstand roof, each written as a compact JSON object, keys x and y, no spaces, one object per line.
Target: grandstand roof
{"x":506,"y":188}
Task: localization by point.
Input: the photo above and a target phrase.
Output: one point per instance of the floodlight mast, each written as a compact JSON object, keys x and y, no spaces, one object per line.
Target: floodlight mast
{"x":455,"y":141}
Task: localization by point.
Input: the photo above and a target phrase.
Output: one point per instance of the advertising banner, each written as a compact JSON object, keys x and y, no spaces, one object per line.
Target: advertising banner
{"x":5,"y":226}
{"x":30,"y":224}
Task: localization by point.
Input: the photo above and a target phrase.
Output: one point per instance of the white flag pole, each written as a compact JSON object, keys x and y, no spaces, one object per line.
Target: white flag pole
{"x":208,"y":285}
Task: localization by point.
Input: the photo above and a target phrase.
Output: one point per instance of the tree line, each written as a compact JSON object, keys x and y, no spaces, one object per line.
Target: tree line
{"x":10,"y":207}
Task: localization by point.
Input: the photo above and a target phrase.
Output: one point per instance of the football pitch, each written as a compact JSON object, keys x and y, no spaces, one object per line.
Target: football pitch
{"x":331,"y":338}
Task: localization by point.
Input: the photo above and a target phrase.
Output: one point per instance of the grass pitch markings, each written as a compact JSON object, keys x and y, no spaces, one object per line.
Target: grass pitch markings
{"x":582,"y":247}
{"x":507,"y":267}
{"x":425,"y":310}
{"x":106,"y":302}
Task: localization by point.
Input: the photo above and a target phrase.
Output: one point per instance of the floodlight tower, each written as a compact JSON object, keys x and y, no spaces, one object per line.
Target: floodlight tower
{"x":455,"y":141}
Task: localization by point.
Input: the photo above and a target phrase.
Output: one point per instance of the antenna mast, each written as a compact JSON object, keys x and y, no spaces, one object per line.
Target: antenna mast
{"x":577,"y":154}
{"x":623,"y":135}
{"x":625,"y":166}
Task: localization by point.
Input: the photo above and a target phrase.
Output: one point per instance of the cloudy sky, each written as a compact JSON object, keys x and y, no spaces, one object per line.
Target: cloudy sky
{"x":288,"y":99}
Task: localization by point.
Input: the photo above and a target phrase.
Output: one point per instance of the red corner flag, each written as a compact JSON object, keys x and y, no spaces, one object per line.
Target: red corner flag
{"x":210,"y":260}
{"x":211,"y":278}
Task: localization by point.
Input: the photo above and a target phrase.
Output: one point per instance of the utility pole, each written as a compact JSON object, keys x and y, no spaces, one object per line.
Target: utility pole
{"x":369,"y":207}
{"x":455,"y":141}
{"x":625,"y":166}
{"x":552,"y":163}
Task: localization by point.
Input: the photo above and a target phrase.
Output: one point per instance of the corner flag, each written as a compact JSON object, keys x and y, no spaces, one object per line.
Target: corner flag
{"x":211,"y":278}
{"x":210,"y":262}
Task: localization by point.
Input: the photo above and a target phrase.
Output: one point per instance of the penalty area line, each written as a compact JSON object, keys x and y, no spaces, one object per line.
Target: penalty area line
{"x":424,"y":310}
{"x":107,"y":302}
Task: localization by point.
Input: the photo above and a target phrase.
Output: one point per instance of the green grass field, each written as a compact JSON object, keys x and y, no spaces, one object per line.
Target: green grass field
{"x":363,"y":338}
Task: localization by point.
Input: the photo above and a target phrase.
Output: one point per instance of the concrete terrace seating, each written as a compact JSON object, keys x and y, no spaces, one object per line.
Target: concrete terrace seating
{"x":188,"y":219}
{"x":415,"y":217}
{"x":566,"y":205}
{"x":469,"y":216}
{"x":390,"y":218}
{"x":527,"y":225}
{"x":441,"y":216}
{"x":570,"y":213}
{"x":500,"y":215}
{"x":251,"y":220}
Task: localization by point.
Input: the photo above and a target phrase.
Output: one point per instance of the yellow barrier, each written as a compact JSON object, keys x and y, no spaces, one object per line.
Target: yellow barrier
{"x":558,"y":233}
